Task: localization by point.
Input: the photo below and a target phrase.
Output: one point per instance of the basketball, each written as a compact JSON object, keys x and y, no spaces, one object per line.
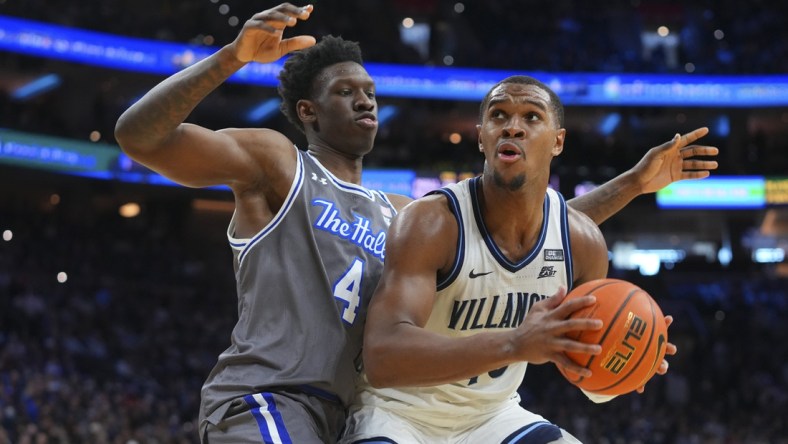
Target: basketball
{"x":633,"y":337}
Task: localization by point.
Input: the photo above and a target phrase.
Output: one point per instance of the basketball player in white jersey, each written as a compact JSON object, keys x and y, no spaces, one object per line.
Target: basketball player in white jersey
{"x":472,"y":287}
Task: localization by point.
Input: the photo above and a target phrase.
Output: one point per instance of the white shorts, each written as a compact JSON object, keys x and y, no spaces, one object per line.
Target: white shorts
{"x":511,"y":424}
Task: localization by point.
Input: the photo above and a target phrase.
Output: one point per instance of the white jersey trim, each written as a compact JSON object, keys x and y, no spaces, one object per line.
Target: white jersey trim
{"x":341,"y":184}
{"x":244,"y":245}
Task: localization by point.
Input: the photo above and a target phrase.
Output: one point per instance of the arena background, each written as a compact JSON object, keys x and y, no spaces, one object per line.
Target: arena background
{"x":116,"y":289}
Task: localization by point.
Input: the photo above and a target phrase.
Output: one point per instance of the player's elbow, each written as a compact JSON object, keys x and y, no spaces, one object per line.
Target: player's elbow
{"x":125,"y":134}
{"x":134,"y":140}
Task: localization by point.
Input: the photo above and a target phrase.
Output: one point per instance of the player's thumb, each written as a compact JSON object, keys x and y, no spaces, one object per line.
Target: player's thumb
{"x":296,"y":43}
{"x":557,"y":298}
{"x":669,"y":145}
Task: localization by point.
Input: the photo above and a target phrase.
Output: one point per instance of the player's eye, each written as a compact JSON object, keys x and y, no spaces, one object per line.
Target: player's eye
{"x":497,"y":114}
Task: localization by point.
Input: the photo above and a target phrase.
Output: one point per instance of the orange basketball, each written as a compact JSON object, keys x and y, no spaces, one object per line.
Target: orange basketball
{"x":633,"y":337}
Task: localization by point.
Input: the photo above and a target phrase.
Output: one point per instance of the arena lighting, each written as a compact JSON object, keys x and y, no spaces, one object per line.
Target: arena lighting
{"x":609,"y":124}
{"x":129,"y":210}
{"x":386,"y":113}
{"x":606,"y":89}
{"x":768,"y":255}
{"x":36,"y":87}
{"x":263,"y":111}
{"x":722,"y":126}
{"x":625,"y":256}
{"x":733,"y":192}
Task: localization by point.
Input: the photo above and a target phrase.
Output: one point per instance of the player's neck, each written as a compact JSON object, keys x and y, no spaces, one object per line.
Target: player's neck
{"x":344,"y":166}
{"x":514,"y":218}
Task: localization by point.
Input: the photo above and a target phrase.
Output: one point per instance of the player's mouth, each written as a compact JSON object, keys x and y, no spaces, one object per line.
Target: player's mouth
{"x":509,"y":151}
{"x":367,"y":120}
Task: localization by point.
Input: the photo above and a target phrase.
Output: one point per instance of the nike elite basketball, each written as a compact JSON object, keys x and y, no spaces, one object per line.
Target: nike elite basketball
{"x":633,"y":337}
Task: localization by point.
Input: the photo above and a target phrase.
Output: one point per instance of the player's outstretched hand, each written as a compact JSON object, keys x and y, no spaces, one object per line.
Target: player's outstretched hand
{"x":675,"y":160}
{"x":261,"y":40}
{"x":542,"y":335}
{"x":670,"y":349}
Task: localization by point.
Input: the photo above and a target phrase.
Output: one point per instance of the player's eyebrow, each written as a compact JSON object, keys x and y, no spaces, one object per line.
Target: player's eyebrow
{"x":537,"y":103}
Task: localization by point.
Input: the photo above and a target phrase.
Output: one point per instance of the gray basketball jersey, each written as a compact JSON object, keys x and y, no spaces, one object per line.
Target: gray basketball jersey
{"x":485,"y":291}
{"x":304,"y":283}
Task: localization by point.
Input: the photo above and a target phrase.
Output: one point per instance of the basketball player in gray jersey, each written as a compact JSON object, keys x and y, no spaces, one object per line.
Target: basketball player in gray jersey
{"x":307,"y":239}
{"x":472,"y":289}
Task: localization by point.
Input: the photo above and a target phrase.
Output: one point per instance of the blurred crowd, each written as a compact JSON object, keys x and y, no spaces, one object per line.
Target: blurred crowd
{"x":117,"y":352}
{"x":716,"y":37}
{"x":704,"y":37}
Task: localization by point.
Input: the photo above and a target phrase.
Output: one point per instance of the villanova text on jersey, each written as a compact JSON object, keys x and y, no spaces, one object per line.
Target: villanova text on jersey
{"x":357,"y":232}
{"x":478,"y":313}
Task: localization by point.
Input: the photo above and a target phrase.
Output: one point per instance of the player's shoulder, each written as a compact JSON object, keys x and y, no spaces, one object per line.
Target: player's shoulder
{"x":426,"y":225}
{"x":399,"y":201}
{"x":426,"y":215}
{"x":435,"y":205}
{"x":586,"y":238}
{"x":579,"y":220}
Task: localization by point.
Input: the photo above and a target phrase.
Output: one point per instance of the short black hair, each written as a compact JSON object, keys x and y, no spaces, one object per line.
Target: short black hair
{"x":300,"y":70}
{"x":555,"y":101}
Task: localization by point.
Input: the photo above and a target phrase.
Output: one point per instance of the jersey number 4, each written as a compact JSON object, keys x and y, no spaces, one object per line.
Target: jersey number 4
{"x":348,"y":290}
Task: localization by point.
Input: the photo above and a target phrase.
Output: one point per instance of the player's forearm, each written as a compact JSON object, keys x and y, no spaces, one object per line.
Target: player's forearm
{"x":158,"y":113}
{"x":413,"y":357}
{"x":609,"y":198}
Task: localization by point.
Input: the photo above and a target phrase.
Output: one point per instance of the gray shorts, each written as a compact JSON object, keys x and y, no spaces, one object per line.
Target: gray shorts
{"x":281,"y":417}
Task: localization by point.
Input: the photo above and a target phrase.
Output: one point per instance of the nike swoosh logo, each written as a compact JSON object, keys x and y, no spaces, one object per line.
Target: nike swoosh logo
{"x":473,"y":275}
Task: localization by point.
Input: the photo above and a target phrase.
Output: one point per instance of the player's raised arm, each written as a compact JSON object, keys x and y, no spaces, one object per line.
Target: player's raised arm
{"x":674,"y":160}
{"x":153,"y":132}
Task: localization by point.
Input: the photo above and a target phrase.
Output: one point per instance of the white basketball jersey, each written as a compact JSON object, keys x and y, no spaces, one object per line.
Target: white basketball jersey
{"x":485,"y":291}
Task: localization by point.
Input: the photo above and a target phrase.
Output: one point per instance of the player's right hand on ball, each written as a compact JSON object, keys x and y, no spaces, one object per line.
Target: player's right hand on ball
{"x":542,"y":337}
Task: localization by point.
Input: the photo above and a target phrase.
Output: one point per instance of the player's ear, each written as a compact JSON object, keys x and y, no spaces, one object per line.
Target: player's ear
{"x":306,"y":111}
{"x":479,"y":132}
{"x":560,"y":135}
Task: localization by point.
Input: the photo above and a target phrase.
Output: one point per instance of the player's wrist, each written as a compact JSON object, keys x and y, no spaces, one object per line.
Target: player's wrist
{"x":632,"y":183}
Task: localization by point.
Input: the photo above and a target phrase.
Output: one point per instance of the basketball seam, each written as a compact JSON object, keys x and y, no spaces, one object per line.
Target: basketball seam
{"x":604,"y":284}
{"x":612,"y":321}
{"x":648,"y":345}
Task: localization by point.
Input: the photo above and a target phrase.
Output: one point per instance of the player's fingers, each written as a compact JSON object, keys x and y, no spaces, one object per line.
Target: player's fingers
{"x":281,"y":16}
{"x":668,"y":320}
{"x":694,"y":135}
{"x":667,"y":146}
{"x":689,"y":175}
{"x":698,"y":165}
{"x":663,"y":367}
{"x":569,"y":345}
{"x":578,"y":324}
{"x":303,"y":13}
{"x":568,"y":307}
{"x":570,"y":366}
{"x":296,"y":43}
{"x":698,"y":150}
{"x":555,"y":301}
{"x":671,"y":349}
